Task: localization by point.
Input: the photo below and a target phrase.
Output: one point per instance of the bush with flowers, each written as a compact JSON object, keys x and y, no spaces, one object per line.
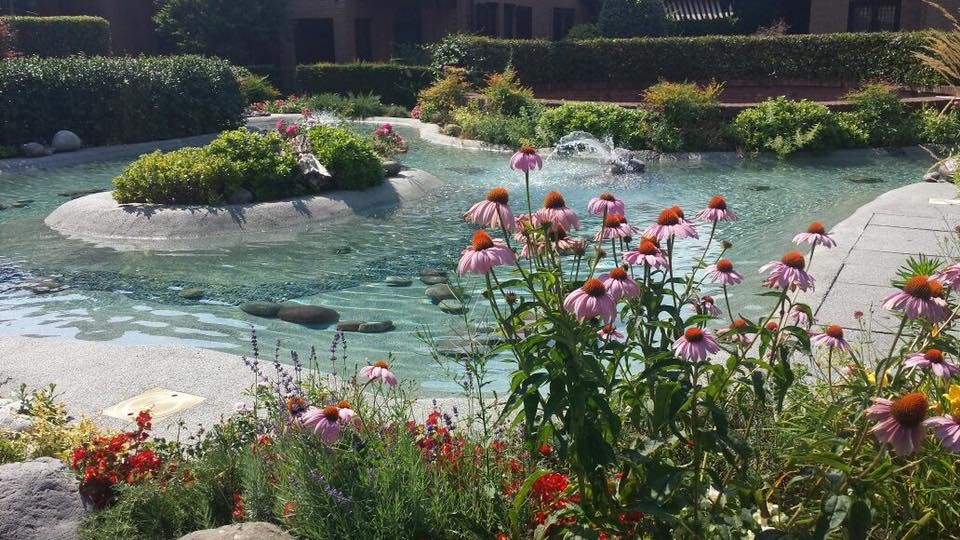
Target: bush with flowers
{"x":387,"y":142}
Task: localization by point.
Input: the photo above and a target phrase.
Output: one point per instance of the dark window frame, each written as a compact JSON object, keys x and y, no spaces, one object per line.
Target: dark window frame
{"x":523,"y":17}
{"x":560,"y":17}
{"x":874,"y":6}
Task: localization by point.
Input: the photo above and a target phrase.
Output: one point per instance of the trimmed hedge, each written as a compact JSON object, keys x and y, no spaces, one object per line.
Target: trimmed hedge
{"x":847,"y":56}
{"x":117,"y":100}
{"x":394,"y":83}
{"x":60,"y":36}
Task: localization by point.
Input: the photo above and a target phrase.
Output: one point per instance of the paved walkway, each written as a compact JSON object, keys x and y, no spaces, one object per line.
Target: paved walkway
{"x":872,"y":244}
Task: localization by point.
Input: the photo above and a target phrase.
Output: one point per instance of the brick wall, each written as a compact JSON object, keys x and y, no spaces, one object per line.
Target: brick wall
{"x":828,"y":16}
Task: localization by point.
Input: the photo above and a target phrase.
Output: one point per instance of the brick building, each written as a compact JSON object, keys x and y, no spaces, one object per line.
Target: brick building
{"x":131,"y":27}
{"x":874,"y":15}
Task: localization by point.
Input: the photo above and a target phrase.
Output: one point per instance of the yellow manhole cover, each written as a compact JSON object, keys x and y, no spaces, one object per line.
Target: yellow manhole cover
{"x":161,"y":403}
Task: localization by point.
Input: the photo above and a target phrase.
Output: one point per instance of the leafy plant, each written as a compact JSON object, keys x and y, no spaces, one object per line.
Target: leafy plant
{"x":55,"y":36}
{"x":439,"y":100}
{"x":349,"y":157}
{"x":939,"y":126}
{"x":511,"y":131}
{"x":184,"y":176}
{"x":685,"y":116}
{"x":257,"y":88}
{"x":268,"y":169}
{"x":603,"y":120}
{"x":505,"y":94}
{"x":783,"y":126}
{"x":629,"y":18}
{"x":878,"y":111}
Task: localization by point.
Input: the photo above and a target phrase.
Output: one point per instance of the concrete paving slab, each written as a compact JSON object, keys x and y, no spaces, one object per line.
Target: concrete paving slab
{"x":938,"y":223}
{"x":877,"y":274}
{"x":899,"y":240}
{"x":845,"y":298}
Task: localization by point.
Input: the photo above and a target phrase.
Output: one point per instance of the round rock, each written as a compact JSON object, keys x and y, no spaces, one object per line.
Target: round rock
{"x":376,"y":327}
{"x":397,"y":281}
{"x":261,"y":309}
{"x":391,"y":168}
{"x":192,"y":293}
{"x":255,"y":530}
{"x":453,"y":307}
{"x":32,"y":149}
{"x":307,"y":315}
{"x":433,"y":272}
{"x":441,"y":292}
{"x":434,"y":280}
{"x":66,"y":141}
{"x":349,"y":326}
{"x":39,"y":499}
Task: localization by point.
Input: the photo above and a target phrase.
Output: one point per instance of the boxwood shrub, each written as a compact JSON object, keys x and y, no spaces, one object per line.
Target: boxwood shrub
{"x":349,"y":157}
{"x":60,"y":36}
{"x":394,"y":83}
{"x":844,"y":56}
{"x":602,"y":120}
{"x":116,"y":100}
{"x":784,"y":126}
{"x":267,"y":169}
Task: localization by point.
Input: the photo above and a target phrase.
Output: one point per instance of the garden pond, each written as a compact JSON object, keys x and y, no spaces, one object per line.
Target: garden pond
{"x":133,"y":297}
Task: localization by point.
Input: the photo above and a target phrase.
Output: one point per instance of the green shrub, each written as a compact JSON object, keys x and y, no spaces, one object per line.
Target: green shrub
{"x":394,"y":83}
{"x":583,"y":31}
{"x":783,"y":126}
{"x":685,"y":116}
{"x":824,"y":57}
{"x":60,"y":36}
{"x":878,"y":112}
{"x":628,"y":18}
{"x":939,"y":126}
{"x":185,"y":176}
{"x":504,"y":93}
{"x":349,"y":106}
{"x":704,"y":27}
{"x":116,"y":100}
{"x":267,"y":169}
{"x":603,"y":120}
{"x":257,"y":88}
{"x":437,"y":101}
{"x":349,"y":157}
{"x":7,"y":49}
{"x":493,"y":127}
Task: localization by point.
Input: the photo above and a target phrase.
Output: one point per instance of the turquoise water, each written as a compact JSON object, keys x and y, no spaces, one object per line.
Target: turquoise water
{"x":130,"y":297}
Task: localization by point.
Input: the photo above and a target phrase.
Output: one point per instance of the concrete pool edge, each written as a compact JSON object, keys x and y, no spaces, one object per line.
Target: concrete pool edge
{"x":99,"y":219}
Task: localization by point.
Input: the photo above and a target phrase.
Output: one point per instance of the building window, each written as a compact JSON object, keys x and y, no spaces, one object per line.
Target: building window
{"x":562,"y":22}
{"x":874,"y":15}
{"x":485,"y":21}
{"x":363,"y":34}
{"x":509,"y":20}
{"x":524,"y":27}
{"x":313,"y":40}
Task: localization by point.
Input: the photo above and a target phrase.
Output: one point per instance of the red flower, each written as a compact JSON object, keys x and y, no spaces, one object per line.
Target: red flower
{"x":143,"y":421}
{"x":549,"y":486}
{"x":238,"y":510}
{"x":289,"y":508}
{"x":545,"y":449}
{"x":503,"y":536}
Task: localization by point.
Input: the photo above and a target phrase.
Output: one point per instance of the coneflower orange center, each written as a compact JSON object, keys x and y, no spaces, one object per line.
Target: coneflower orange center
{"x":816,"y":228}
{"x":527,"y":149}
{"x":717,"y":202}
{"x":668,"y":217}
{"x":594,"y":287}
{"x":554,"y":199}
{"x":934,"y":355}
{"x":677,"y":210}
{"x":481,"y":241}
{"x":647,"y":247}
{"x":613,"y":221}
{"x":936,"y":288}
{"x":910,"y":409}
{"x":608,"y":328}
{"x":835,"y":331}
{"x":725,"y":265}
{"x":344,"y":404}
{"x":607,"y":197}
{"x":738,"y":324}
{"x":794,"y":259}
{"x":498,"y":195}
{"x":618,"y":273}
{"x":693,"y":335}
{"x":331,"y":412}
{"x":919,"y":287}
{"x":381,"y":364}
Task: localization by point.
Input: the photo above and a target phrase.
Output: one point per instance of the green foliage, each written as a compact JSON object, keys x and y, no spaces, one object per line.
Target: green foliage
{"x":603,"y":120}
{"x":493,"y":127}
{"x":939,"y":126}
{"x":442,"y":97}
{"x":116,"y":100}
{"x":878,"y":112}
{"x":243,"y":31}
{"x":505,"y":95}
{"x":267,"y":168}
{"x":349,"y":157}
{"x":704,"y":27}
{"x":825,"y":57}
{"x":349,"y":106}
{"x":185,"y":176}
{"x":257,"y":88}
{"x":6,"y":40}
{"x":59,"y":36}
{"x":395,"y":83}
{"x":685,"y":116}
{"x":783,"y":126}
{"x":583,"y":31}
{"x":629,"y":18}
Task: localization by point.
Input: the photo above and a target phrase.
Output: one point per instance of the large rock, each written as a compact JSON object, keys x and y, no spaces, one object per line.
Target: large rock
{"x":256,"y":530}
{"x":376,"y":327}
{"x":66,"y":141}
{"x":391,"y":168}
{"x":948,"y":168}
{"x":434,"y":280}
{"x":192,"y":293}
{"x":349,"y":326}
{"x":39,"y":500}
{"x":261,"y":309}
{"x":308,"y":315}
{"x":315,"y":175}
{"x":454,"y":307}
{"x":32,"y":149}
{"x":397,"y":281}
{"x":10,"y":420}
{"x":441,"y":292}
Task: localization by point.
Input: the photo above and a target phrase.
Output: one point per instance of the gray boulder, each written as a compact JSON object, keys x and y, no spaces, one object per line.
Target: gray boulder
{"x":391,"y":168}
{"x":66,"y":141}
{"x":307,"y":315}
{"x":376,"y":327}
{"x":948,"y":168}
{"x":452,"y":130}
{"x":39,"y":500}
{"x":349,"y":326}
{"x":397,"y":281}
{"x":261,"y":309}
{"x":433,"y":272}
{"x":11,"y":421}
{"x":32,"y":149}
{"x":192,"y":293}
{"x":454,"y":307}
{"x":441,"y":292}
{"x":256,"y":530}
{"x":240,"y":196}
{"x":315,"y":176}
{"x":434,"y":280}
{"x":932,"y":176}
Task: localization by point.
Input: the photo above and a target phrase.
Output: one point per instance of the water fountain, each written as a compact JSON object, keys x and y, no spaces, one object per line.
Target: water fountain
{"x":615,"y":160}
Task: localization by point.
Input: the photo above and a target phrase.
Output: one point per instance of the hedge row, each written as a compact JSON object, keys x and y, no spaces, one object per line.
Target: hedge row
{"x":849,"y":56}
{"x":394,"y":83}
{"x":116,"y":100}
{"x":60,"y":36}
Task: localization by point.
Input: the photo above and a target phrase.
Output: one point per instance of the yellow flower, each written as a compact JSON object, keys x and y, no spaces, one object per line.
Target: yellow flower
{"x":872,"y":377}
{"x":953,"y":396}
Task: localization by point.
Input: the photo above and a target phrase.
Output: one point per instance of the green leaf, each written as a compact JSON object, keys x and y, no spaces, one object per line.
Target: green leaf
{"x":521,"y":497}
{"x":834,"y":512}
{"x":858,"y":524}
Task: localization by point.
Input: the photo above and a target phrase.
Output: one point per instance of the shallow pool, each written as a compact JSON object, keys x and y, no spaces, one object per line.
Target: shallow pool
{"x":131,"y":297}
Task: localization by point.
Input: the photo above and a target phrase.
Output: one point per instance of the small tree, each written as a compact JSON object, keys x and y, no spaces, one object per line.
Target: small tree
{"x":242,"y":31}
{"x":630,"y":18}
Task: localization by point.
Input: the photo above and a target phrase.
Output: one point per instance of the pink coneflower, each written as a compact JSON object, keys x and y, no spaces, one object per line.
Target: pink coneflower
{"x":566,"y":244}
{"x":591,"y":300}
{"x":919,"y":297}
{"x":241,"y":407}
{"x":695,"y":344}
{"x":832,"y":337}
{"x":900,"y":421}
{"x":935,"y":361}
{"x":484,"y":253}
{"x":947,"y":429}
{"x":670,"y":223}
{"x":722,"y":272}
{"x":606,"y":203}
{"x":379,"y":370}
{"x":619,"y":284}
{"x":347,"y":414}
{"x":707,"y":306}
{"x":717,"y":210}
{"x":737,"y":332}
{"x":951,"y":276}
{"x":556,"y":212}
{"x":609,"y":331}
{"x":325,"y":422}
{"x":616,"y":226}
{"x":493,"y":211}
{"x":799,"y":316}
{"x":647,"y":253}
{"x":788,"y":272}
{"x":526,"y":159}
{"x":816,"y":235}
